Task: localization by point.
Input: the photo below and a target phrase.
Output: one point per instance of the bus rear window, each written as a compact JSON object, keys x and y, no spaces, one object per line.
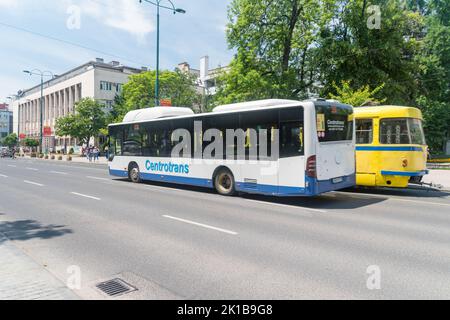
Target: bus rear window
{"x":334,"y":123}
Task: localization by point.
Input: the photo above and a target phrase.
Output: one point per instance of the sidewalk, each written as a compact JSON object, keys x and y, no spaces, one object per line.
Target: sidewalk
{"x":78,"y":159}
{"x":439,"y":177}
{"x":21,"y":278}
{"x":75,"y":159}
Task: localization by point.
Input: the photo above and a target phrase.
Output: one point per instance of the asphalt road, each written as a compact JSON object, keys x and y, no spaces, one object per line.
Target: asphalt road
{"x":183,"y":243}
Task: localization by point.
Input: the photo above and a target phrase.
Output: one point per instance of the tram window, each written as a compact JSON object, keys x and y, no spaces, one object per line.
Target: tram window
{"x":394,"y":131}
{"x":416,"y":130}
{"x":364,"y":131}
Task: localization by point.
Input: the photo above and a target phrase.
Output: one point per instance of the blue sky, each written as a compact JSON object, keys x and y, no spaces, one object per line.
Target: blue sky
{"x":122,"y":30}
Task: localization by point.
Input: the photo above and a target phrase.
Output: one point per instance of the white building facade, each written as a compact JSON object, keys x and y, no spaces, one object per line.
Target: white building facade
{"x":206,"y":83}
{"x":96,"y":79}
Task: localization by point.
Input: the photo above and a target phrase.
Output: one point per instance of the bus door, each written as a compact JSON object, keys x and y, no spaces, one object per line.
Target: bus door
{"x":291,"y":172}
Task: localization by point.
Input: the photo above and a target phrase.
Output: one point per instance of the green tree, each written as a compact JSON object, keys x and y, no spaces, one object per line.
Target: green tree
{"x":11,"y":140}
{"x":436,"y":123}
{"x":31,"y":143}
{"x":275,"y":42}
{"x":139,"y":92}
{"x":358,"y":97}
{"x":350,"y":50}
{"x":433,"y":73}
{"x":87,"y":121}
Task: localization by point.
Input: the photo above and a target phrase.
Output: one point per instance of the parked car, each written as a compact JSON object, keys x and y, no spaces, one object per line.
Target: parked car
{"x":5,"y":153}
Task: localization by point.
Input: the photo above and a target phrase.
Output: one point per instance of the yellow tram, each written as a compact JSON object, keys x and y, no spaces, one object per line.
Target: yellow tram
{"x":390,"y":146}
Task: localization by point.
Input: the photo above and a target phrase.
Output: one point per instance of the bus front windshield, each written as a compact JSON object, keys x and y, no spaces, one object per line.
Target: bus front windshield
{"x":402,"y":131}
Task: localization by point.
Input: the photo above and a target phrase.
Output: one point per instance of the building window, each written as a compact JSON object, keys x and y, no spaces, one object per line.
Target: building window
{"x":107,"y":104}
{"x":105,"y":86}
{"x":119,"y":87}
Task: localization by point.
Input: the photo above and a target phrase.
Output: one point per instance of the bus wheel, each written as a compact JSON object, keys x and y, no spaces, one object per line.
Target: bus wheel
{"x":224,"y":182}
{"x":134,"y":174}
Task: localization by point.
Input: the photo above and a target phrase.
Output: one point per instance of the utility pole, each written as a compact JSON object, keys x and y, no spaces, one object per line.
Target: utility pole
{"x":41,"y":102}
{"x":175,"y":10}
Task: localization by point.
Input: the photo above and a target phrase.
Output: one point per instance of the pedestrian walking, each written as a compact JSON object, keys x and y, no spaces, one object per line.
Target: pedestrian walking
{"x":90,"y":153}
{"x":96,"y":154}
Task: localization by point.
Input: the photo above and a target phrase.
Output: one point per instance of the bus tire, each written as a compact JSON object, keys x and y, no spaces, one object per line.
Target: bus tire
{"x":134,"y":173}
{"x":224,"y":182}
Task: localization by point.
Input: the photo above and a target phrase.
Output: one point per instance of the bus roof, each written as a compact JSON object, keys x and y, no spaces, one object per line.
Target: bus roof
{"x":166,"y":113}
{"x":388,"y":112}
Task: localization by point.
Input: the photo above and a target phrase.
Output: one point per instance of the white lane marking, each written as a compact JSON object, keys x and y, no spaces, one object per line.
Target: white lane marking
{"x":58,"y":172}
{"x":3,"y":176}
{"x":85,"y":196}
{"x":32,"y":169}
{"x":33,"y":183}
{"x":355,"y":195}
{"x":168,"y":188}
{"x":422,"y":202}
{"x":12,"y":166}
{"x":201,"y":225}
{"x":286,"y":205}
{"x":97,"y":178}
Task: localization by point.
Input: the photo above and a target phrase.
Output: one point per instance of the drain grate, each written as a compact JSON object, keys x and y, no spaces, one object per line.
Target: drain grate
{"x":115,"y":287}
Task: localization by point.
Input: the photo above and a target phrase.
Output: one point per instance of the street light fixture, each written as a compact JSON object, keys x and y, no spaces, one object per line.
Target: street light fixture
{"x":42,"y":74}
{"x":175,"y":10}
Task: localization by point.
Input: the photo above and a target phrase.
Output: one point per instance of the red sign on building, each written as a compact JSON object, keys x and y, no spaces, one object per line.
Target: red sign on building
{"x":22,"y":136}
{"x":47,"y":131}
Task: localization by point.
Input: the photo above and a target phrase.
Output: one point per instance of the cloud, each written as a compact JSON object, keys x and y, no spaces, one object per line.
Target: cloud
{"x":125,"y":15}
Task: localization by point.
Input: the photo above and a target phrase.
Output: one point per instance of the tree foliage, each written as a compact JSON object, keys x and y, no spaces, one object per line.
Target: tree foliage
{"x":274,"y":42}
{"x":30,"y":142}
{"x":356,"y":97}
{"x":87,"y":121}
{"x":139,"y":92}
{"x":296,"y":49}
{"x":10,"y":140}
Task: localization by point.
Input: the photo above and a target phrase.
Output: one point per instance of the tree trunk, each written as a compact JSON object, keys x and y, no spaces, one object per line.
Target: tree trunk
{"x":295,"y":13}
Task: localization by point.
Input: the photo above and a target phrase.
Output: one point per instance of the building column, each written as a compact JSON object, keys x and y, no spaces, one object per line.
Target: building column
{"x":71,"y":99}
{"x":66,"y":102}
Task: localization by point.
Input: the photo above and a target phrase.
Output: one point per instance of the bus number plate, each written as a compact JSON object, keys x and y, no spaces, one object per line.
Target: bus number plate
{"x":338,"y":180}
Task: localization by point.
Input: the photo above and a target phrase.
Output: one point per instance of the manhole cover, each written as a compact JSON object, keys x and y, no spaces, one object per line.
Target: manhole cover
{"x":115,"y":287}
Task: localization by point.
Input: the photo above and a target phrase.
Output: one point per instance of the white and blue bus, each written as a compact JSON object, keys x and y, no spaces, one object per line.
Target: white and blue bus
{"x":316,"y":142}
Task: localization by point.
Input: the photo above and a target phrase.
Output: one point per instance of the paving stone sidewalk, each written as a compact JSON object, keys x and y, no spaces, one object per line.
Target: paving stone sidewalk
{"x":21,"y":278}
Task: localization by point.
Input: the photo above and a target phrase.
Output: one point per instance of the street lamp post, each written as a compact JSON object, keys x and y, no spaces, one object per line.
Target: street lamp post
{"x":37,"y":72}
{"x":175,"y":10}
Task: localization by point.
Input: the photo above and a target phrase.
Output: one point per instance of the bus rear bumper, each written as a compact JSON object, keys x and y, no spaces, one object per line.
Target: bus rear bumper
{"x":316,"y":187}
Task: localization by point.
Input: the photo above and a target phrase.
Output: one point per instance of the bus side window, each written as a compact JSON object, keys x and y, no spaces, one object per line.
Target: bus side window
{"x":364,"y":131}
{"x":118,"y":146}
{"x":292,"y":139}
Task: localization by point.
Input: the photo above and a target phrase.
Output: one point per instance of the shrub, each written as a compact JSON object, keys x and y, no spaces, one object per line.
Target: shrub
{"x":52,"y":157}
{"x":60,"y":158}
